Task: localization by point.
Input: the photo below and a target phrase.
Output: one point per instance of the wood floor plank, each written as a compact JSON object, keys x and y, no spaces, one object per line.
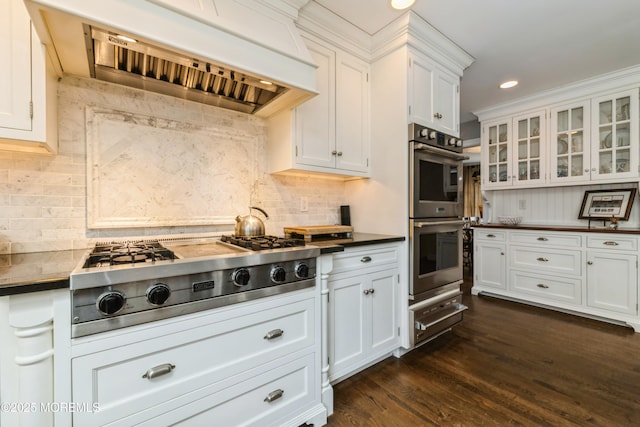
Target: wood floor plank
{"x":505,"y":364}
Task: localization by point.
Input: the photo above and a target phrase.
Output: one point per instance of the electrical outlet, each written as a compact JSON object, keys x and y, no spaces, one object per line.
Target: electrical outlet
{"x":522,"y":204}
{"x":304,"y":204}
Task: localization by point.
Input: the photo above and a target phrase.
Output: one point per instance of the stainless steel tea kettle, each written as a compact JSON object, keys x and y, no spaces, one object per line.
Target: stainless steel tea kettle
{"x":250,"y":225}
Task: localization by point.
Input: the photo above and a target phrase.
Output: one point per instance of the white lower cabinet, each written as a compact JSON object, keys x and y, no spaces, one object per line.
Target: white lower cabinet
{"x":363,"y":308}
{"x":489,"y":260}
{"x":594,"y":273}
{"x":257,"y":364}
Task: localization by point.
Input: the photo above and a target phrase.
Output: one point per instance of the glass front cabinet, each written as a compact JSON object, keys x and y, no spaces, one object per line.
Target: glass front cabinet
{"x":529,"y":139}
{"x":614,"y":122}
{"x":496,"y":154}
{"x":570,"y":147}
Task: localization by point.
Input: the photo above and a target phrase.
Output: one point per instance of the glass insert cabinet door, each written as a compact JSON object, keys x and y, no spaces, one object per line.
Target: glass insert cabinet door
{"x":570,"y":146}
{"x":615,"y":149}
{"x":529,"y":164}
{"x":497,"y":158}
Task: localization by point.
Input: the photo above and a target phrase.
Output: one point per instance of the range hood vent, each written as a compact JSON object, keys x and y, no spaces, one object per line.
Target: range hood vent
{"x":123,"y":60}
{"x":243,"y":55}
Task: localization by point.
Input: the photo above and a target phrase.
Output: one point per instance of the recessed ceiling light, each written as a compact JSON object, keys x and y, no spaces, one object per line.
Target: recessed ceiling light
{"x":401,"y":4}
{"x":510,"y":83}
{"x":265,"y":82}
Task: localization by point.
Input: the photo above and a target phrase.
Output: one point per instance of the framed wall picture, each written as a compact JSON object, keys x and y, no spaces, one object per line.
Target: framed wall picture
{"x":603,"y":204}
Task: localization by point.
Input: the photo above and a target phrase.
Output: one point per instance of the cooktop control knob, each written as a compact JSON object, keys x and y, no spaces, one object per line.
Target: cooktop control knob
{"x":424,"y":132}
{"x":452,"y":142}
{"x":158,"y":293}
{"x":459,"y":143}
{"x":302,"y":271}
{"x":432,"y":134}
{"x":278,"y":275}
{"x":111,"y":302}
{"x":240,"y":277}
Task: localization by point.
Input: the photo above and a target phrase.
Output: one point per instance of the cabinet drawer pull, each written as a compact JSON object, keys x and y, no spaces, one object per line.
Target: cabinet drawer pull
{"x":274,"y":334}
{"x":610,"y":243}
{"x":542,"y":285}
{"x":365,"y":259}
{"x":542,"y":259}
{"x":491,"y":235}
{"x":274,"y":395}
{"x":543,"y":239}
{"x":159,"y":370}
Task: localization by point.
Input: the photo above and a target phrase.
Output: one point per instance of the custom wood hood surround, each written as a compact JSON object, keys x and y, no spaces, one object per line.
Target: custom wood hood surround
{"x":246,"y":56}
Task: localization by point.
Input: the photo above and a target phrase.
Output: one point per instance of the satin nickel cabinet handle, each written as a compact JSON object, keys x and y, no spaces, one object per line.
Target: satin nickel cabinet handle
{"x":274,"y":334}
{"x":610,"y":243}
{"x":334,"y":152}
{"x":491,"y":235}
{"x":274,"y":395}
{"x":589,"y":262}
{"x":542,"y":285}
{"x":365,"y":259}
{"x":159,"y":370}
{"x":542,"y":259}
{"x":368,"y":291}
{"x":542,"y":239}
{"x":437,"y":115}
{"x":339,"y":153}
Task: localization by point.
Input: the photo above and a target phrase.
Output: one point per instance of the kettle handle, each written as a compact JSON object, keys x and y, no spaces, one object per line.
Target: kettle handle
{"x":261,"y":210}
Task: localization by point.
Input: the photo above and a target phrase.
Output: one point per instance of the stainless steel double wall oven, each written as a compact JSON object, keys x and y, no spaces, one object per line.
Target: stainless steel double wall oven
{"x":435,"y":232}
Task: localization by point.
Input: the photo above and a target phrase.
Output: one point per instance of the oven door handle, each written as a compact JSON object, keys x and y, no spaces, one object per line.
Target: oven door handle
{"x":459,"y":309}
{"x":426,"y":224}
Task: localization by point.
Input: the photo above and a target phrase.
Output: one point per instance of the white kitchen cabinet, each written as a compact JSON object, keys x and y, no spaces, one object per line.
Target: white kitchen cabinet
{"x":253,"y":363}
{"x":514,"y":151}
{"x":614,"y":151}
{"x":489,"y":260}
{"x":27,"y":88}
{"x":612,"y":274}
{"x":330,"y":132}
{"x":363,"y":308}
{"x":570,"y":143}
{"x":434,"y":95}
{"x":592,"y":273}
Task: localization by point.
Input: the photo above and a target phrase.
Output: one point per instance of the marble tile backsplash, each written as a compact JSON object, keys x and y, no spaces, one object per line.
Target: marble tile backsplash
{"x":212,"y":167}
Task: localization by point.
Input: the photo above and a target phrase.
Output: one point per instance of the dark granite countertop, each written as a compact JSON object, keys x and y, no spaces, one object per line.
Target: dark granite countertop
{"x":37,"y":271}
{"x":576,"y":229}
{"x":357,"y":239}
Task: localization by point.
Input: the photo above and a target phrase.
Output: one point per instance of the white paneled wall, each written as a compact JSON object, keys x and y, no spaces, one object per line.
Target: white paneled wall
{"x":43,"y":198}
{"x":551,"y":206}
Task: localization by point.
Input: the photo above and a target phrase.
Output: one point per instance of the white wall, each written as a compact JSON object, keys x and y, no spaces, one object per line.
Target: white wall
{"x":43,"y":198}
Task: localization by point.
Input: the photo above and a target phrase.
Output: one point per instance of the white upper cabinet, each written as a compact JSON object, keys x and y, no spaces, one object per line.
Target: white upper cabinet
{"x":330,"y":132}
{"x":27,"y":92}
{"x":496,"y":153}
{"x":434,"y":96}
{"x":614,"y":121}
{"x":529,"y":149}
{"x":570,"y":143}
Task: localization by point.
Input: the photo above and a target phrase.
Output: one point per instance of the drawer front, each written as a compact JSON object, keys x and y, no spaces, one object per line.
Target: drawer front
{"x":547,"y":259}
{"x":265,"y":400}
{"x":544,"y":239}
{"x":548,"y":287}
{"x":616,"y":242}
{"x":122,"y":382}
{"x":493,"y":235}
{"x":364,"y":258}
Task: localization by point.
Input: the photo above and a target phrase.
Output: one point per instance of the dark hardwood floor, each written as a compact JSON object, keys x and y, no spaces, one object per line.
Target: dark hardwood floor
{"x":505,"y":364}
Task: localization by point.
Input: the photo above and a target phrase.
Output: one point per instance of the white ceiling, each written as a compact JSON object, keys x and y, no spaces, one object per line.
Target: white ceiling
{"x":542,"y":43}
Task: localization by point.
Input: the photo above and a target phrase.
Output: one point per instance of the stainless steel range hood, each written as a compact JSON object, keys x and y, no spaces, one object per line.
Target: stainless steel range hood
{"x":244,"y":55}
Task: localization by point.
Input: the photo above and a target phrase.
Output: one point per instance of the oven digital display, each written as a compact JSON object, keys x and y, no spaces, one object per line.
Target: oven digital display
{"x":203,"y":286}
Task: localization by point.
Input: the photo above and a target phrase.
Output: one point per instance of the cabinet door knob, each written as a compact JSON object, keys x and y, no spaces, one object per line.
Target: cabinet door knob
{"x":159,"y":370}
{"x":437,"y":115}
{"x":274,"y":395}
{"x":501,"y":253}
{"x":371,"y":291}
{"x":274,"y":334}
{"x":334,"y":152}
{"x":366,"y":292}
{"x":589,"y":262}
{"x":542,"y":259}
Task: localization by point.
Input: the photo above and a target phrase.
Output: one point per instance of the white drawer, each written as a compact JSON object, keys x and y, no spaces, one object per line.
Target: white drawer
{"x":547,"y":259}
{"x":548,"y":287}
{"x":493,"y":235}
{"x":370,"y":256}
{"x":610,"y":241}
{"x":544,"y":239}
{"x":247,"y":403}
{"x":202,"y":356}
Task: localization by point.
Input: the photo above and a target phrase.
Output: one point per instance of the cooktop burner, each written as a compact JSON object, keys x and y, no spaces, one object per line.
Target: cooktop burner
{"x":106,"y":254}
{"x":258,"y":243}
